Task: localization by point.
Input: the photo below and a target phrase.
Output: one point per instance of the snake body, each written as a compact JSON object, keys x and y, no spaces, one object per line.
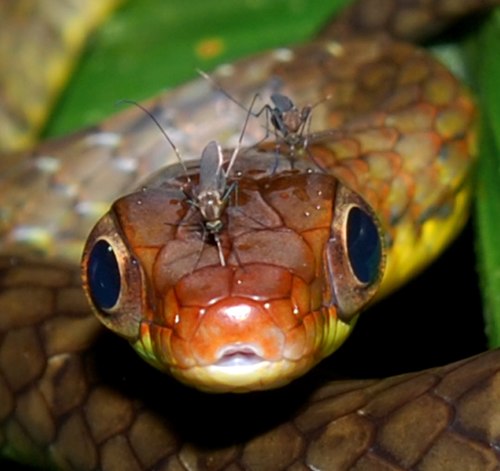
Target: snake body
{"x":68,"y":405}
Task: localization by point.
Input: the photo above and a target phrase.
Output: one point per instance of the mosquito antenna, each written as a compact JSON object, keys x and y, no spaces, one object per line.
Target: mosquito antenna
{"x":226,"y":94}
{"x":242,"y":133}
{"x":270,"y":112}
{"x":160,"y":127}
{"x":322,"y":100}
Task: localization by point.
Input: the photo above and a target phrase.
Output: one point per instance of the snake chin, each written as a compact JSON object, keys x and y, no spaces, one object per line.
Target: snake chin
{"x":241,"y":373}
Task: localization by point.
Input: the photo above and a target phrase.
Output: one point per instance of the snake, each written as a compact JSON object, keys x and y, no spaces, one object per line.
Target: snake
{"x":76,"y":397}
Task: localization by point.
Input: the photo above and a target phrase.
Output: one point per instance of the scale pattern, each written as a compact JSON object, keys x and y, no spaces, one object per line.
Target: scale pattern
{"x":60,"y":402}
{"x":65,"y":400}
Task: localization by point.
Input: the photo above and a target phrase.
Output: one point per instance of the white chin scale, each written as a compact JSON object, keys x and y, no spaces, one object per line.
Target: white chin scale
{"x":242,"y":373}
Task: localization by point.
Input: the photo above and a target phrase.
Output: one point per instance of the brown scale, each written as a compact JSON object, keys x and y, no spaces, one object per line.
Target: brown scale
{"x":95,"y":409}
{"x":68,"y":400}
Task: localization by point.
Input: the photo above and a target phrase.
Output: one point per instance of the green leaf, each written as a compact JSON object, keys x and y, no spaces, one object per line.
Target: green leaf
{"x":484,"y":55}
{"x":151,"y":45}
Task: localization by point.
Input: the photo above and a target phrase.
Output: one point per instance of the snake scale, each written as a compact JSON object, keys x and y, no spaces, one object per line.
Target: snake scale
{"x":73,"y":397}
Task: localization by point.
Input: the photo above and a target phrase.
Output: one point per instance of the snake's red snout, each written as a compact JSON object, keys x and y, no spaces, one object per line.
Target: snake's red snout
{"x":236,"y":332}
{"x":238,"y":344}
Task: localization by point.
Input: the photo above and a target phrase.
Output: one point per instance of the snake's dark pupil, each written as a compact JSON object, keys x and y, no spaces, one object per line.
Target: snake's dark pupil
{"x":363,"y":245}
{"x":103,"y":275}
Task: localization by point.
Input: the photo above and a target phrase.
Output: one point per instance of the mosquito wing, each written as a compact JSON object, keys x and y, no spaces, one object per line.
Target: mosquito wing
{"x":212,"y":176}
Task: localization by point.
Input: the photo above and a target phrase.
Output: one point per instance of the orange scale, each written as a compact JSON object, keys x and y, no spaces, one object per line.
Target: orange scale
{"x":296,"y":346}
{"x":300,"y":296}
{"x":346,"y":176}
{"x":418,"y":150}
{"x":204,"y":286}
{"x":321,"y":155}
{"x":454,"y":162}
{"x":187,"y":322}
{"x":316,"y":294}
{"x":281,"y":312}
{"x":316,"y":240}
{"x":161,"y":338}
{"x":380,"y":139}
{"x":138,"y":214}
{"x":236,"y":321}
{"x":465,"y":102}
{"x":148,"y":314}
{"x":452,"y":122}
{"x":358,"y":166}
{"x":261,"y":282}
{"x":416,"y":119}
{"x":345,"y":148}
{"x":171,"y":310}
{"x":147,"y":256}
{"x":314,"y":326}
{"x":362,"y":122}
{"x":382,"y":190}
{"x":401,"y":193}
{"x":284,"y":248}
{"x":383,"y":165}
{"x":423,"y":183}
{"x":182,"y":354}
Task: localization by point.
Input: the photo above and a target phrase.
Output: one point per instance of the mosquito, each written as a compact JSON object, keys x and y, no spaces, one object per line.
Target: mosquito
{"x":212,"y":193}
{"x":291,"y":124}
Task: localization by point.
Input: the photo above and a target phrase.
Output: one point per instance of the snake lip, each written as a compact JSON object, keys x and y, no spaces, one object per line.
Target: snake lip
{"x":239,"y":355}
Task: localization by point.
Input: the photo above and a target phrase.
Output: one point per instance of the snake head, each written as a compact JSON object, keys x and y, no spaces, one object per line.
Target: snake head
{"x":304,"y":255}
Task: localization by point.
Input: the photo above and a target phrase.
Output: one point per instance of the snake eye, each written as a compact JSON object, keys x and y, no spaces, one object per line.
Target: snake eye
{"x":363,"y":245}
{"x":355,"y":254}
{"x":113,"y":278}
{"x":103,"y":275}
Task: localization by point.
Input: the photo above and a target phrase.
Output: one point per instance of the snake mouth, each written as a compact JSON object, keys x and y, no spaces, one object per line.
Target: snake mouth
{"x":239,"y":356}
